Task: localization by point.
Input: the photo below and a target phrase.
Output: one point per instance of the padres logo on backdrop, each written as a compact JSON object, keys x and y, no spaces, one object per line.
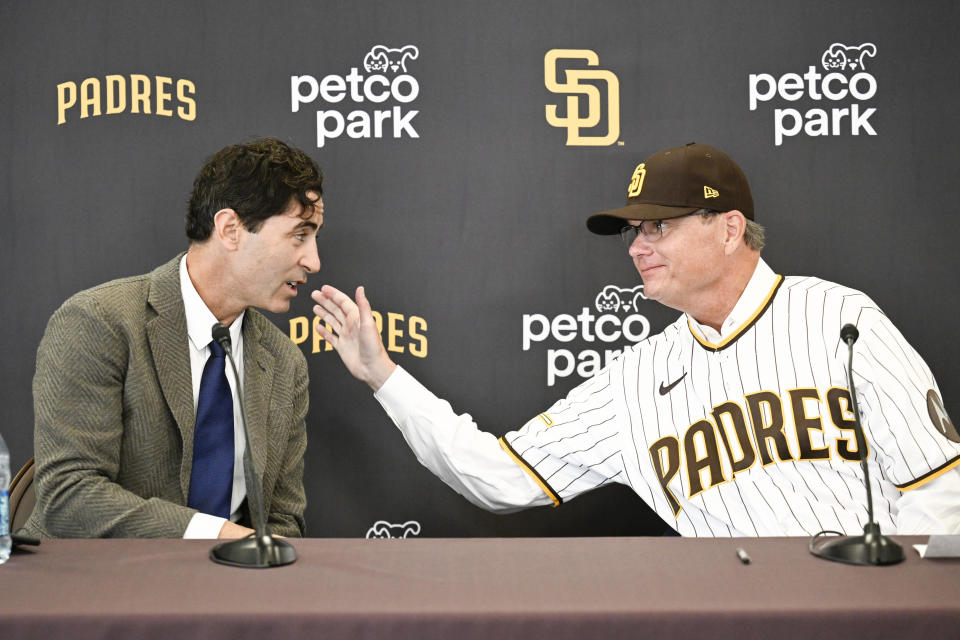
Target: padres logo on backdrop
{"x":388,"y":79}
{"x":575,"y":88}
{"x":134,"y":93}
{"x":400,"y":333}
{"x":619,"y":319}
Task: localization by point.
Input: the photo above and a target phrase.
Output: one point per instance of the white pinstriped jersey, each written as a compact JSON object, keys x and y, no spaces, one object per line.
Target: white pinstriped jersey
{"x":755,"y":437}
{"x":744,"y":432}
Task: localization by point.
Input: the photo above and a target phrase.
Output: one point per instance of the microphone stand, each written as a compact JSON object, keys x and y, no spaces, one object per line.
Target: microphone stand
{"x":260,"y":549}
{"x":871,"y":548}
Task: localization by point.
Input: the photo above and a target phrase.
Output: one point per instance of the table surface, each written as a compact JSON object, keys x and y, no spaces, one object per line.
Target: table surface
{"x":485,"y":588}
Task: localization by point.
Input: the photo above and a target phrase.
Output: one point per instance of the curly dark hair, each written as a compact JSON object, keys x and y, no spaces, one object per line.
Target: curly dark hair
{"x":256,"y":179}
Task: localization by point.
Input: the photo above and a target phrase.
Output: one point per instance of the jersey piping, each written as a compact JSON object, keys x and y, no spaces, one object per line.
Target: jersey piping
{"x":930,"y":475}
{"x":547,"y":489}
{"x":743,"y":328}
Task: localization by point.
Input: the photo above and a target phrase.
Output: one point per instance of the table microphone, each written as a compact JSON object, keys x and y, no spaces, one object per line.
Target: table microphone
{"x":872,"y":547}
{"x":260,"y":549}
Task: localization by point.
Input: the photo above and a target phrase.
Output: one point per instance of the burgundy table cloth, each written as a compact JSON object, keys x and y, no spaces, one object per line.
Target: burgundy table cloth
{"x":486,"y":588}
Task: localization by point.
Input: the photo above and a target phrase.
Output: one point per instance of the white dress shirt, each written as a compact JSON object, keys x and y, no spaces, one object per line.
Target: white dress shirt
{"x":200,"y":321}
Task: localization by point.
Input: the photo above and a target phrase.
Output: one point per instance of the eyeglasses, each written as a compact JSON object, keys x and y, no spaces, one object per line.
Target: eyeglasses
{"x":653,"y":230}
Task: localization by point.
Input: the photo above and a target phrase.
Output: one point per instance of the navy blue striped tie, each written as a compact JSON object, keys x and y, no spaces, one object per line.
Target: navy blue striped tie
{"x":211,"y":479}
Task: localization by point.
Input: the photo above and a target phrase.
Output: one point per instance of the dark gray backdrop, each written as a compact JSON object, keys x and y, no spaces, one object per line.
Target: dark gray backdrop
{"x":479,"y":220}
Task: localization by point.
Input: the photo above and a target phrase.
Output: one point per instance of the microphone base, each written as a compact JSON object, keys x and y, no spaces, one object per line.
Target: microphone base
{"x":254,"y":553}
{"x":869,"y":549}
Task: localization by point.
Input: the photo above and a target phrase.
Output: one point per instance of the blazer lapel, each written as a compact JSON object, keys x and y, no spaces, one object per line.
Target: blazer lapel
{"x":257,"y":386}
{"x":167,"y":335}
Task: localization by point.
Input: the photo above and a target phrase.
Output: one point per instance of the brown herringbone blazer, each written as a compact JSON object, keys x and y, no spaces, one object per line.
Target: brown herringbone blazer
{"x":114,"y":414}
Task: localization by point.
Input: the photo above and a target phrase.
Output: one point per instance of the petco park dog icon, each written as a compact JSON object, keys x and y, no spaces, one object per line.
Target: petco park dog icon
{"x":614,"y":298}
{"x":383,"y":529}
{"x":382,"y":58}
{"x":840,"y":56}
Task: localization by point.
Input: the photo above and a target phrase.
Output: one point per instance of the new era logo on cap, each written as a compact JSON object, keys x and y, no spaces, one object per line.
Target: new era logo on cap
{"x":674,"y":182}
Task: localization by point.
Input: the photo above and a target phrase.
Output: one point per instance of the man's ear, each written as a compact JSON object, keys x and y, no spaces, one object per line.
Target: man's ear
{"x":734,"y":226}
{"x":226,"y":228}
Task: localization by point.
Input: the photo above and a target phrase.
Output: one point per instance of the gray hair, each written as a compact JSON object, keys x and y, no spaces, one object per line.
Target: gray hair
{"x":754,"y":235}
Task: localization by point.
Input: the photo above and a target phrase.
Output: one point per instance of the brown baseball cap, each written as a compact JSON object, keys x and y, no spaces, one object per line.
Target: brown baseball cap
{"x":674,"y":182}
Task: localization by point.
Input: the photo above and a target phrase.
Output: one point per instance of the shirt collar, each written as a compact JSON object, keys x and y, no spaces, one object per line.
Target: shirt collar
{"x":754,"y":299}
{"x":200,"y":319}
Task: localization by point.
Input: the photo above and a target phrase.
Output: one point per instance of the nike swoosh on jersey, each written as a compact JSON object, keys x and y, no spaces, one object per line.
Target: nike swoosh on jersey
{"x":664,"y":390}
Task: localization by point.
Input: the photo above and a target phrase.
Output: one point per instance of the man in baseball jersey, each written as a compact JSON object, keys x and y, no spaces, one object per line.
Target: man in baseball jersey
{"x":735,"y":420}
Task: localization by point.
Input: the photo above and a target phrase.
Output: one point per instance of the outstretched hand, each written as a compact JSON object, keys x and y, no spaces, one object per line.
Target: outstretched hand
{"x":355,"y":335}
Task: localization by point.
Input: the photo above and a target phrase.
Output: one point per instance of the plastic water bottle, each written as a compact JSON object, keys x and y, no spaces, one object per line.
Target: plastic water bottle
{"x":4,"y":502}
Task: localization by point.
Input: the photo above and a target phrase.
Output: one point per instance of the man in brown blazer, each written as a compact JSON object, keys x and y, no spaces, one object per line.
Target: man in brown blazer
{"x":119,"y":367}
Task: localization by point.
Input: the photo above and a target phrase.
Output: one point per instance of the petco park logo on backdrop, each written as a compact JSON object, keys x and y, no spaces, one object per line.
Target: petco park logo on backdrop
{"x":845,"y":82}
{"x":617,"y":319}
{"x":386,"y":79}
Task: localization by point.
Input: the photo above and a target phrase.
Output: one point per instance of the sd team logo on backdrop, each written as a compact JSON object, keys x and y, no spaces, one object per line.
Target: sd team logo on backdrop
{"x":618,"y":320}
{"x":583,"y":89}
{"x":387,"y":79}
{"x":844,"y":85}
